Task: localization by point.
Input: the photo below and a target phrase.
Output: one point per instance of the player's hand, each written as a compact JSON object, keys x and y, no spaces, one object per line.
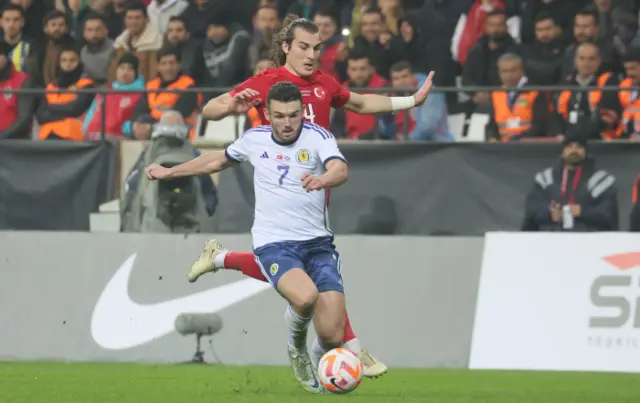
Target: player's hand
{"x":240,"y":101}
{"x":424,"y":91}
{"x":310,"y":182}
{"x":155,"y":171}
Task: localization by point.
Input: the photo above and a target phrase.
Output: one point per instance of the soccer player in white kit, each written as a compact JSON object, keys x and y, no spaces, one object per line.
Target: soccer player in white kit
{"x":294,"y":163}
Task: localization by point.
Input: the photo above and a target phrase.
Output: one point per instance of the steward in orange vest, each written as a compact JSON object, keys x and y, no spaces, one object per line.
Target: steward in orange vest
{"x":600,"y":110}
{"x":17,"y":109}
{"x":170,"y":77}
{"x":515,"y":115}
{"x":59,"y":114}
{"x":629,"y":95}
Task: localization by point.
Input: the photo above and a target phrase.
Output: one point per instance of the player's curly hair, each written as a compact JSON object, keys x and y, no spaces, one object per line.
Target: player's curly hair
{"x":285,"y":34}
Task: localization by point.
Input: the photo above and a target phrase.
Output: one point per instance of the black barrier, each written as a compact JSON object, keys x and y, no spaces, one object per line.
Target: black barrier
{"x":53,"y":185}
{"x":423,"y":189}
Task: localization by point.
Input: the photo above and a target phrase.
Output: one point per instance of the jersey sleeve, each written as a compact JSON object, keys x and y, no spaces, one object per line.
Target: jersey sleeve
{"x":339,"y":94}
{"x":327,"y":148}
{"x":239,"y":150}
{"x":255,"y":83}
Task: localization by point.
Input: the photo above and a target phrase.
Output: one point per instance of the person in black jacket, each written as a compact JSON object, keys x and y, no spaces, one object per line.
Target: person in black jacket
{"x":572,"y":195}
{"x":543,"y":58}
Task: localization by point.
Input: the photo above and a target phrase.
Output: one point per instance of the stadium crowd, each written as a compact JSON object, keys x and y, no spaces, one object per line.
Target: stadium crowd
{"x":128,"y":45}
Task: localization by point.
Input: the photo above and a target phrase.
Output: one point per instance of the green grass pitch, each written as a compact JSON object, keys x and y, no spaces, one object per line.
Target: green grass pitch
{"x":53,"y":382}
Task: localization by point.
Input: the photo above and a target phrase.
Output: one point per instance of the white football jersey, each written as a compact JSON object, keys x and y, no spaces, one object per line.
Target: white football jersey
{"x":284,"y":210}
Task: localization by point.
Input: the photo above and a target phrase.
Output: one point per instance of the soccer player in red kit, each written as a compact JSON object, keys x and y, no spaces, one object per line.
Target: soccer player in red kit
{"x":296,"y":51}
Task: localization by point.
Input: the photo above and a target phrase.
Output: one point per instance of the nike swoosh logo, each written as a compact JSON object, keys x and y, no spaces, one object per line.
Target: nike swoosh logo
{"x":119,"y":323}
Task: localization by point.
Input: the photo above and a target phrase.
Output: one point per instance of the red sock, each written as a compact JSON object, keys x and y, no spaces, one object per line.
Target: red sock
{"x":348,"y":331}
{"x":246,"y":263}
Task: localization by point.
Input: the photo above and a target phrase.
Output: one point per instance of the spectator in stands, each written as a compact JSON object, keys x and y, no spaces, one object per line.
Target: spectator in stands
{"x":118,"y":108}
{"x":305,"y":8}
{"x":634,"y":219}
{"x":618,"y":24}
{"x":142,"y":127}
{"x":43,"y":63}
{"x":253,"y":117}
{"x":98,"y":51}
{"x":17,"y":109}
{"x":35,"y":12}
{"x":572,"y":195}
{"x":263,"y":64}
{"x":480,"y":68}
{"x":139,"y":37}
{"x":384,"y":48}
{"x":471,"y":27}
{"x":355,"y":126}
{"x":59,"y":113}
{"x":334,"y":48}
{"x":393,"y":12}
{"x":427,"y":122}
{"x":192,"y":60}
{"x":598,"y":109}
{"x":543,"y":58}
{"x":12,"y":24}
{"x":200,"y":13}
{"x":225,"y":52}
{"x":516,"y":115}
{"x":586,"y":29}
{"x":161,"y":11}
{"x":562,"y":12}
{"x":114,"y":16}
{"x":169,"y":77}
{"x":411,"y":32}
{"x":265,"y":24}
{"x":629,"y":96}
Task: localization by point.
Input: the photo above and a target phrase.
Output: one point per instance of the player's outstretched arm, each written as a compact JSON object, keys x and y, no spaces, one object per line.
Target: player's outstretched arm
{"x":226,"y":104}
{"x":208,"y":163}
{"x":337,"y":173}
{"x":373,"y":103}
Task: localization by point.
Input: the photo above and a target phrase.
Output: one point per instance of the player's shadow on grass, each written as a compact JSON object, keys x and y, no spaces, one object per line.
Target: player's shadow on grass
{"x":381,"y":219}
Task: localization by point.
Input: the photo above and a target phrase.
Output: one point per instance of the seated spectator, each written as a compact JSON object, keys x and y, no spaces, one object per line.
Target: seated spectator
{"x":634,"y":219}
{"x":562,"y":12}
{"x":171,"y":78}
{"x":17,"y":109}
{"x":253,"y":116}
{"x":35,"y":11}
{"x":427,"y":122}
{"x":618,"y":24}
{"x":98,"y":49}
{"x":393,"y":12}
{"x":334,"y":48}
{"x":59,"y":113}
{"x":142,"y":127}
{"x":119,"y":107}
{"x":225,"y":54}
{"x":200,"y":13}
{"x":572,"y":195}
{"x":586,"y":28}
{"x":361,"y":75}
{"x":515,"y":115}
{"x":13,"y":18}
{"x":114,"y":16}
{"x":305,"y":8}
{"x":628,"y":96}
{"x":480,"y":69}
{"x":43,"y":63}
{"x":598,"y":109}
{"x":192,"y":60}
{"x":543,"y":58}
{"x":139,"y":37}
{"x":384,"y":48}
{"x":161,"y":11}
{"x":265,"y":24}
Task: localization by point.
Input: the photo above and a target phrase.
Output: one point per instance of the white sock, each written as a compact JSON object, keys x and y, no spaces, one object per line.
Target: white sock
{"x":317,"y":351}
{"x":297,"y":329}
{"x":218,"y":260}
{"x":353,"y":345}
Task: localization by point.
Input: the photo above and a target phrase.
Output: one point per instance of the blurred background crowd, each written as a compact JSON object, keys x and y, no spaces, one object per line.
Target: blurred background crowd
{"x":369,"y":45}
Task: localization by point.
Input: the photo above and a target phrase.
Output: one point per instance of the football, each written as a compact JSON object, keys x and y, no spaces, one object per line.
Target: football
{"x":340,"y":371}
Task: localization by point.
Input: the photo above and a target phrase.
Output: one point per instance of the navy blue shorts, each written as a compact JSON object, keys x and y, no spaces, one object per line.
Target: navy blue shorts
{"x":318,"y":257}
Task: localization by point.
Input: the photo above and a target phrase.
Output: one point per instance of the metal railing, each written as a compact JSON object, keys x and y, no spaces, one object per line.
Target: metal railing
{"x":220,"y":90}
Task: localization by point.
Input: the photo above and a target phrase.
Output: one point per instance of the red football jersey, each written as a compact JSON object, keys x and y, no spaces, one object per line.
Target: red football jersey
{"x":320,"y":93}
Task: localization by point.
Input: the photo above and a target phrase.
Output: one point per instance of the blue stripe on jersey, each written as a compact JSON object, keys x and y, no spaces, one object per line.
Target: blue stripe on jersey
{"x":318,"y":129}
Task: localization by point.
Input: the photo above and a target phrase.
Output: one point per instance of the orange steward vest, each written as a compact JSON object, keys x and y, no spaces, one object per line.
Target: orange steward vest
{"x":630,"y":106}
{"x":163,"y":101}
{"x":69,"y":128}
{"x":513,"y":121}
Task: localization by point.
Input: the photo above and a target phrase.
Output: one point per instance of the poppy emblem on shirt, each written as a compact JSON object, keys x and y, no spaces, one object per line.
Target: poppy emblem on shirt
{"x":303,"y":156}
{"x":319,"y":92}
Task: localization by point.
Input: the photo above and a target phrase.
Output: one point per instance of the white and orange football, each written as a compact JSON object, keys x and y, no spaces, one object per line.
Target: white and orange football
{"x":340,"y":371}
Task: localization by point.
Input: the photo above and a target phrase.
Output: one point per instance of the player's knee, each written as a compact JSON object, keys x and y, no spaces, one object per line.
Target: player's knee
{"x":333,"y":339}
{"x":303,"y":302}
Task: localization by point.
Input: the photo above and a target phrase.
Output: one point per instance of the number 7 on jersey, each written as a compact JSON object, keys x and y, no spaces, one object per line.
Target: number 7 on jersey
{"x":285,"y":170}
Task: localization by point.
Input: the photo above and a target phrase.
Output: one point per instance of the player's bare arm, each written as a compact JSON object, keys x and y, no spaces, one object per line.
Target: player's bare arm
{"x":226,"y":104}
{"x":208,"y":163}
{"x":374,"y":103}
{"x":337,"y":173}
